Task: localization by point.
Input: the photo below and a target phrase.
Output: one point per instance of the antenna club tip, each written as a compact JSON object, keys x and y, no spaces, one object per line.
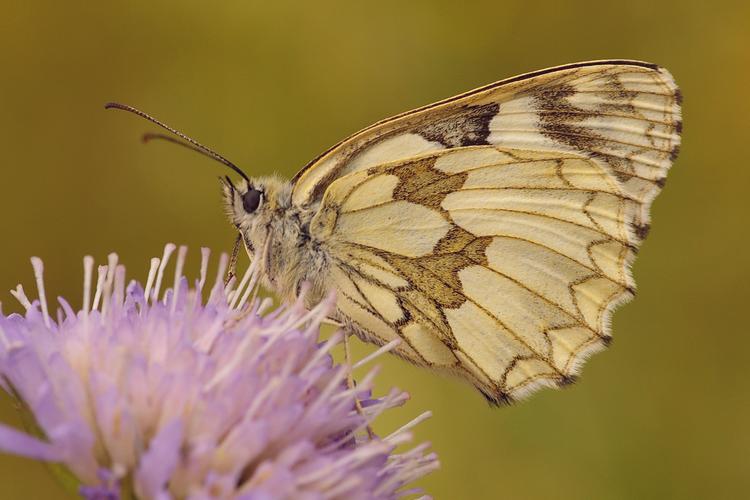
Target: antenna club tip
{"x":110,"y":105}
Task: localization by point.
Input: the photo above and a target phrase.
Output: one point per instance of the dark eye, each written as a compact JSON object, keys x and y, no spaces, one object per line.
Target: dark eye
{"x":251,"y":200}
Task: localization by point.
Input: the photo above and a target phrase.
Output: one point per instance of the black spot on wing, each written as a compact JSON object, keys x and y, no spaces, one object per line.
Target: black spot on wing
{"x":641,"y":230}
{"x":567,"y":380}
{"x":675,"y":153}
{"x":496,"y":399}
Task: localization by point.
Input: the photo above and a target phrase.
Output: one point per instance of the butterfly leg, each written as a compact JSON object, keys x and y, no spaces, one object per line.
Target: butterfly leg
{"x":352,"y":384}
{"x":232,"y":269}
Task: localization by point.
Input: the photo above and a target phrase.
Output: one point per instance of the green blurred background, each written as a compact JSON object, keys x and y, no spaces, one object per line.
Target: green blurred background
{"x":663,"y":413}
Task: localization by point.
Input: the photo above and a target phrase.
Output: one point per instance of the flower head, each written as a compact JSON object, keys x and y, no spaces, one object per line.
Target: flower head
{"x":164,"y":395}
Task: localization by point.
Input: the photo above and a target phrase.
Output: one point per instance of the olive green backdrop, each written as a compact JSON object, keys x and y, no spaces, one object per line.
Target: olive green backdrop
{"x":662,"y":414}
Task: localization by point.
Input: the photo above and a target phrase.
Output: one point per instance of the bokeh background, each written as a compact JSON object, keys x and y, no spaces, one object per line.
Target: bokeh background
{"x":663,"y":413}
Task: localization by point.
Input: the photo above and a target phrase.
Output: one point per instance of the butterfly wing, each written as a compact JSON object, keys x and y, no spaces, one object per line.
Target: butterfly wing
{"x":624,"y":114}
{"x":493,"y":231}
{"x":502,"y":266}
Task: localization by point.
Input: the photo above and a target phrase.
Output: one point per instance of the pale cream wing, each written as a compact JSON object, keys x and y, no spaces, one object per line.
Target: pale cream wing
{"x":623,"y":114}
{"x":502,"y":266}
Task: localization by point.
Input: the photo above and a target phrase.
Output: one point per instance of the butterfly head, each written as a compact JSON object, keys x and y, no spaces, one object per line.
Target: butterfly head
{"x":250,"y":205}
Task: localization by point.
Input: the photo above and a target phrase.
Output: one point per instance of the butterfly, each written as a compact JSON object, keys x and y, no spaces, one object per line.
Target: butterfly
{"x":491,"y":232}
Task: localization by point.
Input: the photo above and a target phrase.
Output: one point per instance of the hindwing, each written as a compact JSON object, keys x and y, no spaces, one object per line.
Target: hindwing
{"x":500,"y":265}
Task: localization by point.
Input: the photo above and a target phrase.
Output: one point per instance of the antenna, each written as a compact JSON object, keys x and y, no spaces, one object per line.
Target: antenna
{"x":189,"y":143}
{"x":150,"y":136}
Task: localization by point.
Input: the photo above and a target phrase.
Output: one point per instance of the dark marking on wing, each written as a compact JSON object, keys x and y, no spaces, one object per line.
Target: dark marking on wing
{"x":641,"y":230}
{"x":420,"y":183}
{"x":559,"y":118}
{"x":454,"y":241}
{"x":467,"y":126}
{"x":567,"y":380}
{"x":563,"y":122}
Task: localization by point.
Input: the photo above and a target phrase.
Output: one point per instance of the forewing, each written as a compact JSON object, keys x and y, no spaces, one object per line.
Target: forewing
{"x":623,"y":114}
{"x":500,"y":265}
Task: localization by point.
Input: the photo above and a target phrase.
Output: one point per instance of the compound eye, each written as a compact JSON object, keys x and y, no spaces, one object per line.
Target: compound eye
{"x":251,"y":200}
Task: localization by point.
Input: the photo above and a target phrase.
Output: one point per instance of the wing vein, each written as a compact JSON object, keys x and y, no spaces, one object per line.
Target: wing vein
{"x":536,"y":214}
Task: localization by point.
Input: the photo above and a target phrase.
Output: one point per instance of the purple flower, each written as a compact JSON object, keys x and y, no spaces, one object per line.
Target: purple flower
{"x":158,"y":395}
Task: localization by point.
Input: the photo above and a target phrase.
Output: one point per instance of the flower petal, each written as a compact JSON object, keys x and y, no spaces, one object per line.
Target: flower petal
{"x":158,"y":463}
{"x":20,"y":443}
